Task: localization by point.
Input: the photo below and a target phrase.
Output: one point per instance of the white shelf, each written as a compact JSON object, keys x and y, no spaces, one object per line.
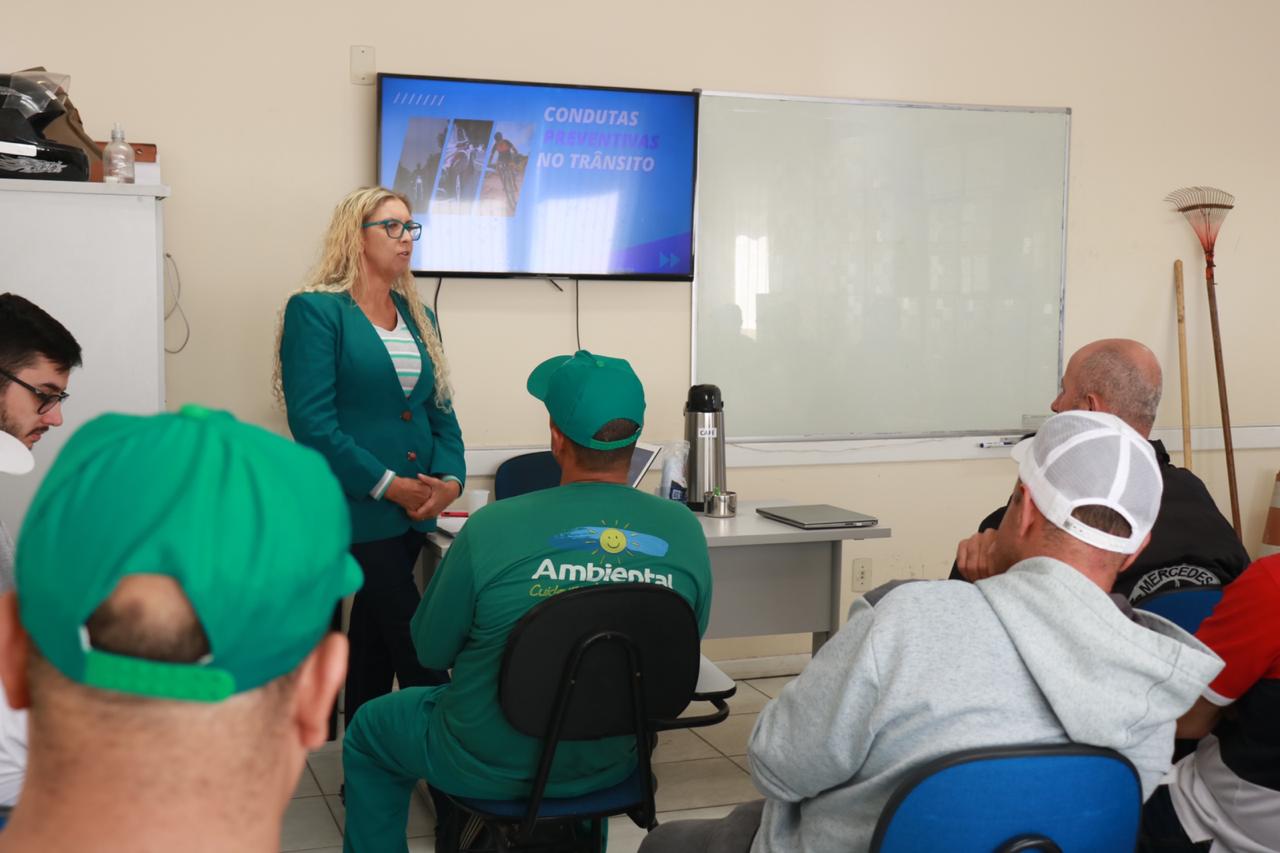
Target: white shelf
{"x":85,"y":188}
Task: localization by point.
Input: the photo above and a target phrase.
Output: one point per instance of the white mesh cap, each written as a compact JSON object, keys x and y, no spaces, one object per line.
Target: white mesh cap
{"x":14,"y":456}
{"x":1082,"y":458}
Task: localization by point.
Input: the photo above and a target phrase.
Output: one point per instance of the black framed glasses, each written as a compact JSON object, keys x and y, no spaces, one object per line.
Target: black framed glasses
{"x":396,"y":228}
{"x":47,"y":400}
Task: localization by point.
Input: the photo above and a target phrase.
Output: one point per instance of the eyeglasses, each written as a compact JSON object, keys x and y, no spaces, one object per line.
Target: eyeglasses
{"x":396,"y":228}
{"x":47,"y":400}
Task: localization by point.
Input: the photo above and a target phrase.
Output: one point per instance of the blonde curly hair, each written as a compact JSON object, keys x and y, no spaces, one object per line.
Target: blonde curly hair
{"x":339,"y":269}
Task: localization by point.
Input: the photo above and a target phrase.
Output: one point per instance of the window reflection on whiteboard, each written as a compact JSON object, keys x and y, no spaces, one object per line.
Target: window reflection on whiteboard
{"x":750,"y":277}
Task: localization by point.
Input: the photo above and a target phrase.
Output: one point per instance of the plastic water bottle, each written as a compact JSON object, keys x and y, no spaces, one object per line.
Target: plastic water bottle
{"x":117,"y":159}
{"x":673,"y":472}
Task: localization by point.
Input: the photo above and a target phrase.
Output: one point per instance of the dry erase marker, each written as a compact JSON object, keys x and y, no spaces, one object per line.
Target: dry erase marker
{"x":999,"y":442}
{"x":454,"y":514}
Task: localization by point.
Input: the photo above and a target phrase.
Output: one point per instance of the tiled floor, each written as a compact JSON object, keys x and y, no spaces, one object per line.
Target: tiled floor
{"x":701,"y":774}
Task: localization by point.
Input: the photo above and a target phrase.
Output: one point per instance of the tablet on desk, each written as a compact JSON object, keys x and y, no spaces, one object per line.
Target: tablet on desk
{"x":817,"y":516}
{"x":642,"y":459}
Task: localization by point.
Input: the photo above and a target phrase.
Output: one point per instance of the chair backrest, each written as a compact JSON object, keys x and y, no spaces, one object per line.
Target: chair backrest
{"x":1065,"y":797}
{"x":657,"y":621}
{"x":1186,"y":607}
{"x":528,"y":472}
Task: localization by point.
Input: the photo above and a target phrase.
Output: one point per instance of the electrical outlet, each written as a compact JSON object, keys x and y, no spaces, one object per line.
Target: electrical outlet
{"x":862,"y":576}
{"x":363,"y":65}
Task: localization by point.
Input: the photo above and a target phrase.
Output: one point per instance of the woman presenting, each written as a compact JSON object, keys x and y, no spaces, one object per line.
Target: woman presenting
{"x":364,"y":380}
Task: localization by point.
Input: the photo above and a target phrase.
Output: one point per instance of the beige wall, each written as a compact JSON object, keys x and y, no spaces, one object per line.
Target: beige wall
{"x":261,"y":132}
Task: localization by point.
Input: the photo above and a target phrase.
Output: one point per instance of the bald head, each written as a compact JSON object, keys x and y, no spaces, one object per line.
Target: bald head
{"x":1115,"y":375}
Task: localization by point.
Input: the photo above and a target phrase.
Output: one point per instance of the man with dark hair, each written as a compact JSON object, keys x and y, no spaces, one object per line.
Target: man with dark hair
{"x":592,"y":529}
{"x":37,"y":354}
{"x":1037,"y":653}
{"x":1192,"y":544}
{"x":175,"y":652}
{"x":36,"y":357}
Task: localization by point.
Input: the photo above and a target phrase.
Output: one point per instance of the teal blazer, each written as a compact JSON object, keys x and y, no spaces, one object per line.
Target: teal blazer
{"x":345,"y":400}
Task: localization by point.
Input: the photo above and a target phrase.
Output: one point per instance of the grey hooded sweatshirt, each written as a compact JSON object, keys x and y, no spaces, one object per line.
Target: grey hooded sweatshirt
{"x":1038,"y":655}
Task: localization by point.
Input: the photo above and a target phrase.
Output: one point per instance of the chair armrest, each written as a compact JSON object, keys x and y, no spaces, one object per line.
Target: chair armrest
{"x":713,"y":686}
{"x":719,"y":715}
{"x":712,"y":682}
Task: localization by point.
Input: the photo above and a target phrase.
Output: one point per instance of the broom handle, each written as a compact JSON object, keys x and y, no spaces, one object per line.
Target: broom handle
{"x":1182,"y":364}
{"x":1222,"y":393}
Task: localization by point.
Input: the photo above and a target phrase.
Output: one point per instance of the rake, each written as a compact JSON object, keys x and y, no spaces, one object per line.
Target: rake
{"x":1206,"y":208}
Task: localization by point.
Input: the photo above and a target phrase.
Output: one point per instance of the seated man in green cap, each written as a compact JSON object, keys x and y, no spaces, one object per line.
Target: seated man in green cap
{"x":593,"y":529}
{"x":171,"y":639}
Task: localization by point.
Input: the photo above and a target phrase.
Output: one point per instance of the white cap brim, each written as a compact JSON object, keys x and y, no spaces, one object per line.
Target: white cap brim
{"x":15,"y":458}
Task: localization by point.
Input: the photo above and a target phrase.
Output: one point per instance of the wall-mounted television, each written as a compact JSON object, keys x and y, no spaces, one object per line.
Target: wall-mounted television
{"x":533,"y":179}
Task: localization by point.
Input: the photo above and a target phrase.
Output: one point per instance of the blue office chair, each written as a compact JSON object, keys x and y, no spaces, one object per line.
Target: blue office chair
{"x":528,"y":472}
{"x":593,"y":662}
{"x":1186,"y":607}
{"x":1003,"y":799}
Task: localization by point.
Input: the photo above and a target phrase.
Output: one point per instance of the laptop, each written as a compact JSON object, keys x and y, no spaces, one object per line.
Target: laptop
{"x":817,"y":516}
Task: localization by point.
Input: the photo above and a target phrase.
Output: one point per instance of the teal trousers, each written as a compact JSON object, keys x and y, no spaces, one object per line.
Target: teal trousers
{"x":384,"y":754}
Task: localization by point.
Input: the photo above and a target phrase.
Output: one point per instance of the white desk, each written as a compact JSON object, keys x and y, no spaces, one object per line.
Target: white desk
{"x":767,"y":577}
{"x":772,"y":578}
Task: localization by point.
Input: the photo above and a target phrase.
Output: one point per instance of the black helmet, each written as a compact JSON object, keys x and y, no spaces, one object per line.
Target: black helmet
{"x":29,"y":101}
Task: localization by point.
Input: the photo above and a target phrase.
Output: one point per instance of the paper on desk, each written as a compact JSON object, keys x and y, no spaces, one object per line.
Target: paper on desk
{"x":451,"y":524}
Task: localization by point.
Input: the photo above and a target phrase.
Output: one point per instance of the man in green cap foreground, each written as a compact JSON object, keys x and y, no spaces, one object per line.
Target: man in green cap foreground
{"x":170,"y":636}
{"x":593,"y":529}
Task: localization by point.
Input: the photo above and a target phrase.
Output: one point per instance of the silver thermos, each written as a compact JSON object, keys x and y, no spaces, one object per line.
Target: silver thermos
{"x":704,"y":430}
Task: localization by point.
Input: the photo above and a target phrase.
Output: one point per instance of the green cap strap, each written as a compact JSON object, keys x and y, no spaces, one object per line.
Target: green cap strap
{"x":157,"y":679}
{"x":614,"y":445}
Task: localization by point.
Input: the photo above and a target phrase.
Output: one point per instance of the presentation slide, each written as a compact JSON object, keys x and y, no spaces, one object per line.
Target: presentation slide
{"x":514,"y":178}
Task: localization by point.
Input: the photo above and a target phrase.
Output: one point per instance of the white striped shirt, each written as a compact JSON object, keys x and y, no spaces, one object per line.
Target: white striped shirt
{"x":407,"y":360}
{"x":404,"y":353}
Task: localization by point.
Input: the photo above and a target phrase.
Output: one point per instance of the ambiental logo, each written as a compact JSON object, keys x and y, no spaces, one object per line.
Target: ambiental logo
{"x":606,"y":541}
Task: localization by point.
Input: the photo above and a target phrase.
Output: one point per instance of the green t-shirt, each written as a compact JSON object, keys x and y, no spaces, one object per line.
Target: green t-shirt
{"x":510,"y":556}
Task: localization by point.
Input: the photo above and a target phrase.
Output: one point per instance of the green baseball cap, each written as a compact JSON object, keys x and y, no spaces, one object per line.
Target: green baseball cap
{"x":253,"y":527}
{"x":584,"y":391}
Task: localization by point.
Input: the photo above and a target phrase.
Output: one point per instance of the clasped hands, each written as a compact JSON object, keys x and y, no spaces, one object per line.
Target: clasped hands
{"x":423,"y":497}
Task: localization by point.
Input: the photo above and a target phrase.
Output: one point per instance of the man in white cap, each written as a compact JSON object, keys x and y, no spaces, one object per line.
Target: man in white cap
{"x":1040,"y":652}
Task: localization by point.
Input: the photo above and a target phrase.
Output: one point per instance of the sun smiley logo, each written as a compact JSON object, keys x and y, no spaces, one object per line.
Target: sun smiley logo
{"x":614,"y":539}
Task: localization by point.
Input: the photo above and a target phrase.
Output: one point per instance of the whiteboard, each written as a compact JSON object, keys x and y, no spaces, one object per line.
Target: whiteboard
{"x":872,"y":269}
